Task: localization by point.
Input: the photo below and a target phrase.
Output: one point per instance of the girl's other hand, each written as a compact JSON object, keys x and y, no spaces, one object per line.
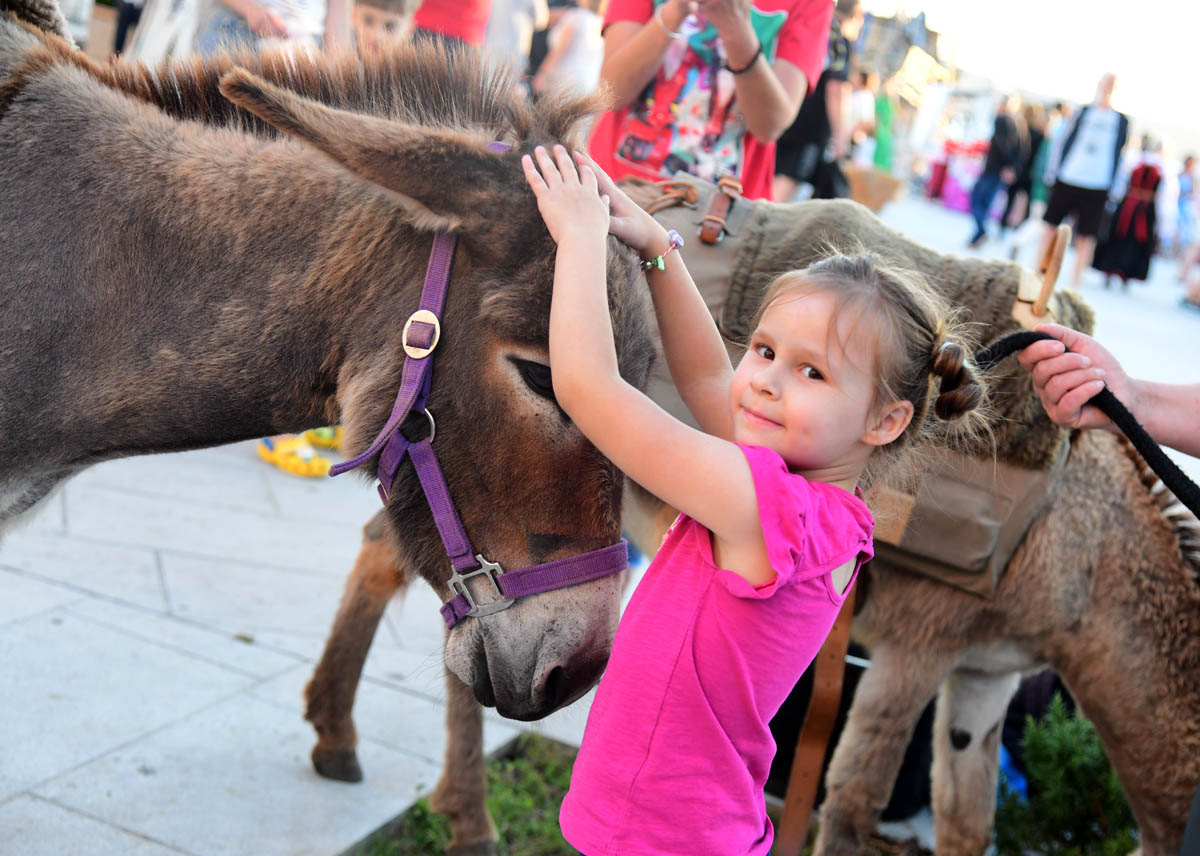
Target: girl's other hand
{"x":629,"y":221}
{"x":567,"y":197}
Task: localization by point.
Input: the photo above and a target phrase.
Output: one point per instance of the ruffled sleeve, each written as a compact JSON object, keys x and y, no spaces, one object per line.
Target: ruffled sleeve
{"x":809,"y":528}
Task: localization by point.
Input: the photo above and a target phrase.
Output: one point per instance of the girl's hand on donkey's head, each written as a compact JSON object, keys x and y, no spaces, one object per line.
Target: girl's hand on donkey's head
{"x":628,"y":222}
{"x":567,"y":198}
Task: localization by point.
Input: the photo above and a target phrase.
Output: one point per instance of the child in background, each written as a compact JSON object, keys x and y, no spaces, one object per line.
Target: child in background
{"x":383,"y":22}
{"x":835,"y":384}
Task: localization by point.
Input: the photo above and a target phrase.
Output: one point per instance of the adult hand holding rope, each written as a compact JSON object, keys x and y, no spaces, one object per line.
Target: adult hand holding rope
{"x":1072,"y":368}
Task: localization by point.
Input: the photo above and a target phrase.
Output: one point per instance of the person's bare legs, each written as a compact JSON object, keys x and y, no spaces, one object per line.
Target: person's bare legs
{"x":783,"y":188}
{"x":1190,"y":255}
{"x":1085,"y":246}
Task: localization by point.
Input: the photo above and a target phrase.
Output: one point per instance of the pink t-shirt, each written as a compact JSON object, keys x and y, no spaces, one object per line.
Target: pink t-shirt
{"x":677,"y":746}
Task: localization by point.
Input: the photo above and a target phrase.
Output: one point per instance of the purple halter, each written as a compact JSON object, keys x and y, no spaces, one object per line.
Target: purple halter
{"x":420,"y":337}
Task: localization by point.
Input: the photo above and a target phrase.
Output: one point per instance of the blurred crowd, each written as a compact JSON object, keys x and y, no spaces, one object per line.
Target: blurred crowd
{"x":788,"y":99}
{"x":1083,"y":165}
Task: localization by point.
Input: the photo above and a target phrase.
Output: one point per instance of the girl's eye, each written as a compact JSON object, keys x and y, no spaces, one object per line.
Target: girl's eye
{"x":764,"y":351}
{"x":811,"y":373}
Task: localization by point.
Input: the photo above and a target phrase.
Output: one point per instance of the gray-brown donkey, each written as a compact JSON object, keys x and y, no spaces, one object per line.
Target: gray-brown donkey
{"x":169,"y":284}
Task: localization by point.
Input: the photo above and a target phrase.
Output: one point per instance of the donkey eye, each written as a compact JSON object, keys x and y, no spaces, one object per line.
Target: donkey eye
{"x":536,"y":376}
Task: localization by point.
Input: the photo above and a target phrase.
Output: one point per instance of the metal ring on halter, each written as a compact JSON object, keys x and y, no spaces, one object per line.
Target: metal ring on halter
{"x":424,"y":316}
{"x":432,"y":424}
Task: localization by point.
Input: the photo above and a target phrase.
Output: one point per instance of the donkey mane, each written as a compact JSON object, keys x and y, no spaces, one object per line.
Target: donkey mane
{"x":1184,"y":525}
{"x":421,"y":84}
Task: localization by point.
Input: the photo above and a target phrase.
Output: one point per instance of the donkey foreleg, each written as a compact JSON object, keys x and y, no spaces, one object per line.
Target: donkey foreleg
{"x":966,"y":742}
{"x":461,"y":793}
{"x":330,"y":694}
{"x":887,"y":704}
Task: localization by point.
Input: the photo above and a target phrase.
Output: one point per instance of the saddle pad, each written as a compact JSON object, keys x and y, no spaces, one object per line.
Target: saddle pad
{"x":964,"y":520}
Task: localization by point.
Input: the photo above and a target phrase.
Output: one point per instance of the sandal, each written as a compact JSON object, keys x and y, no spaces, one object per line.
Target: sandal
{"x":293,"y":455}
{"x":325,"y":438}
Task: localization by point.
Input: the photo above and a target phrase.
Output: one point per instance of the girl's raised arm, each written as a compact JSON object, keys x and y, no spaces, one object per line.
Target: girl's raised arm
{"x":693,"y":346}
{"x":705,"y":477}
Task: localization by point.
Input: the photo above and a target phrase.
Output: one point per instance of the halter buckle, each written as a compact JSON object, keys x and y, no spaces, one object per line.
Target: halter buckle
{"x":458,"y":586}
{"x":423,"y":316}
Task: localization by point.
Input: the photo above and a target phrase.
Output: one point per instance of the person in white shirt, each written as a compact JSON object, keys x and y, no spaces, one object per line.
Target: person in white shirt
{"x":510,"y":30}
{"x":1084,"y":169}
{"x":251,"y":23}
{"x":862,"y":118}
{"x":576,"y":51}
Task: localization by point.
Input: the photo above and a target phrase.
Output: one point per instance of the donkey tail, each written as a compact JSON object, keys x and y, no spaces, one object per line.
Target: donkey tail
{"x":43,"y":14}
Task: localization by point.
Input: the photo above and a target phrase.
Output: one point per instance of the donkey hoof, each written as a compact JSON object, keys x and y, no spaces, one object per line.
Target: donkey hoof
{"x":479,"y":848}
{"x":341,"y":765}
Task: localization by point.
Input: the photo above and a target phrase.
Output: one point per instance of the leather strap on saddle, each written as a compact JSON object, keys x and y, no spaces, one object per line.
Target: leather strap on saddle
{"x":809,"y":760}
{"x":673,"y":193}
{"x":712,"y":227}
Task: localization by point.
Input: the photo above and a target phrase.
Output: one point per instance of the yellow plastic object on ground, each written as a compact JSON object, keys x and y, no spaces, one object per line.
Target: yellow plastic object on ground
{"x":325,"y":438}
{"x":293,"y":455}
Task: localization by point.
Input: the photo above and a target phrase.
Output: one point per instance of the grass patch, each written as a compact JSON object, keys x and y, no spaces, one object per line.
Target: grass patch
{"x":525,"y":789}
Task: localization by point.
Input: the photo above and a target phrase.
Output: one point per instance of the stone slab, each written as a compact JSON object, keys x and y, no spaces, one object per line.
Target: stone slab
{"x":24,"y":596}
{"x":35,"y":827}
{"x":235,"y":780}
{"x":242,"y":598}
{"x":204,"y":477}
{"x":203,"y":643}
{"x":74,"y":690}
{"x":118,"y":517}
{"x":112,"y":571}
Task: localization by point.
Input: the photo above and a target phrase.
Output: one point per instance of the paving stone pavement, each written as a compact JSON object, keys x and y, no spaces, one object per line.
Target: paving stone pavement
{"x":160,"y":616}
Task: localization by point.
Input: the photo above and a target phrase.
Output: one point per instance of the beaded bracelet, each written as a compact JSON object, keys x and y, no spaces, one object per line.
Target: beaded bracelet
{"x":748,"y":65}
{"x":660,"y":262}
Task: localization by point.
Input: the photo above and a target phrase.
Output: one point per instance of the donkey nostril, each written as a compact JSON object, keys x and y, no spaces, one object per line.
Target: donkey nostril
{"x":557,"y":688}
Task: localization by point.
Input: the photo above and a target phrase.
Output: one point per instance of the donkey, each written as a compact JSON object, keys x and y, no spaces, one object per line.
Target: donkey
{"x":196,"y":255}
{"x":1103,"y":588}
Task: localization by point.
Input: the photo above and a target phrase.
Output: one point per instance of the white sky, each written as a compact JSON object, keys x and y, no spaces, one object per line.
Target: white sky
{"x":1061,"y":47}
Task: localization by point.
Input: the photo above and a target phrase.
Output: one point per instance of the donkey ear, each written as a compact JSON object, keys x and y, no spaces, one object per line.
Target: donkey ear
{"x":411,"y":161}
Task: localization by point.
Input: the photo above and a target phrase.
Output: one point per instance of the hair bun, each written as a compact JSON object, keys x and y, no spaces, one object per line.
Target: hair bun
{"x":960,"y":390}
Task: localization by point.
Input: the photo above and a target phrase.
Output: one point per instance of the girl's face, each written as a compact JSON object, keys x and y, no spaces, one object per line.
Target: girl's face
{"x":806,"y":387}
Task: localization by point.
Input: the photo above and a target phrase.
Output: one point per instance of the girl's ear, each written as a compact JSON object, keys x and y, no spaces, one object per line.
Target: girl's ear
{"x":889,"y":423}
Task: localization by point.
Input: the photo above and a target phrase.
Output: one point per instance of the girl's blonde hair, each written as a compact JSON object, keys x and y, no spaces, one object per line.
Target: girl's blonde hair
{"x":918,"y":340}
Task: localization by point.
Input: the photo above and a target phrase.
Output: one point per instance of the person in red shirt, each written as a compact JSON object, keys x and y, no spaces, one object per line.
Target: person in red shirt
{"x":706,"y":86}
{"x":456,"y":22}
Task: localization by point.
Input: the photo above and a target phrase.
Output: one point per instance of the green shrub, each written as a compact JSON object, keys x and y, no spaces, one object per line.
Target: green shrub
{"x":1076,"y":806}
{"x":524,"y":793}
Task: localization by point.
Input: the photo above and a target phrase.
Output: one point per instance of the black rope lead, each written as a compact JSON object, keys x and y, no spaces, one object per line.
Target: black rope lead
{"x":1176,"y":481}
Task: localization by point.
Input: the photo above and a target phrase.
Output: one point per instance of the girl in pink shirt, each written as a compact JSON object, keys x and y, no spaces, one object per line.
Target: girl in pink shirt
{"x":837,"y":379}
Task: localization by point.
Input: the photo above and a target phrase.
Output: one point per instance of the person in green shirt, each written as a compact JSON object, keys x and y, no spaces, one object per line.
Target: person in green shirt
{"x":885,"y":112}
